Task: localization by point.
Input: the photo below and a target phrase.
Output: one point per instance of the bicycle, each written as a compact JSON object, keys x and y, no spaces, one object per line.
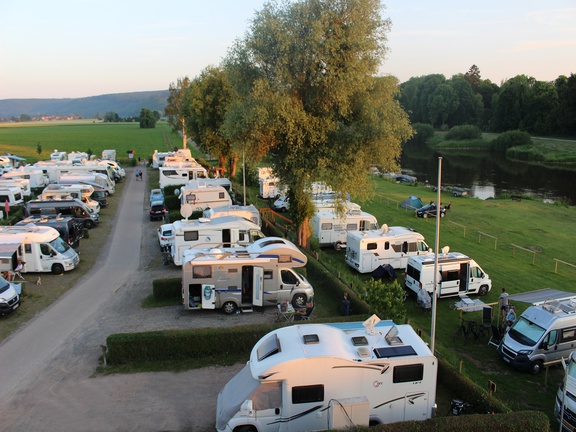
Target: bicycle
{"x":467,"y":329}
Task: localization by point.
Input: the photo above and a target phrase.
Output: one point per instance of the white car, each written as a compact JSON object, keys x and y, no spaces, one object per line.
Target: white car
{"x":165,"y":236}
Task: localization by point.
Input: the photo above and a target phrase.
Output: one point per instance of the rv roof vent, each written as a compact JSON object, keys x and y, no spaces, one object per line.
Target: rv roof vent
{"x":363,"y":352}
{"x":31,"y":227}
{"x":359,"y":340}
{"x":311,"y":339}
{"x":392,"y":336}
{"x":203,"y":220}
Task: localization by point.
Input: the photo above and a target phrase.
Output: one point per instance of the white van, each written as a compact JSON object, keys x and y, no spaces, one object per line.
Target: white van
{"x":9,"y":298}
{"x":459,"y":274}
{"x":368,"y":250}
{"x":331,"y":229}
{"x":543,"y":333}
{"x":340,"y":376}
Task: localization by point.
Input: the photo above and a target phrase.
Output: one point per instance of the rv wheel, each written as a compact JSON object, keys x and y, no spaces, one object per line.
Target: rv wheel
{"x":338,"y":246}
{"x":229,"y":308}
{"x":483,"y":290}
{"x":89,"y":224}
{"x":299,"y":301}
{"x":246,"y":429}
{"x":536,"y":367}
{"x":57,"y":269}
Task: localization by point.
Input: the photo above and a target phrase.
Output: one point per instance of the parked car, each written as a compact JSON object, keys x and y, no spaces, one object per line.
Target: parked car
{"x":165,"y":236}
{"x":429,"y":210}
{"x":156,"y":195}
{"x":405,"y":178}
{"x":157,"y":210}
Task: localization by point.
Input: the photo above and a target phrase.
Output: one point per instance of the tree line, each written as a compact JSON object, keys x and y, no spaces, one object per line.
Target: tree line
{"x":520,"y":103}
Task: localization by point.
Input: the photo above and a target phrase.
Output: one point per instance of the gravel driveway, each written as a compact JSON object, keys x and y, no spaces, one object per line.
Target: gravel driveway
{"x":47,"y":368}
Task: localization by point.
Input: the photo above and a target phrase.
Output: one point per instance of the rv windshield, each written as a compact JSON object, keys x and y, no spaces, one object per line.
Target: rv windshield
{"x":59,"y":245}
{"x":256,"y":235}
{"x":3,"y":285}
{"x":526,"y":332}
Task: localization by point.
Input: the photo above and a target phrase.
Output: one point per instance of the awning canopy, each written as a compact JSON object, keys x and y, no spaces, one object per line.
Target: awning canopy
{"x":8,"y":249}
{"x":540,"y":296}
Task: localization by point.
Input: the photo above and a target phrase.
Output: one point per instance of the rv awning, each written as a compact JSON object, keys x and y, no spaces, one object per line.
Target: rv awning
{"x":8,"y":249}
{"x":540,"y":296}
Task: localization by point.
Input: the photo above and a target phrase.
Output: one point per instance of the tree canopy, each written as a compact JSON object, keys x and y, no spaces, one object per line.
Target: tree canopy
{"x":147,"y":120}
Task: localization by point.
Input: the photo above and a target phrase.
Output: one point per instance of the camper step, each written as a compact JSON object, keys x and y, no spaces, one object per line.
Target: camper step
{"x":246,"y":309}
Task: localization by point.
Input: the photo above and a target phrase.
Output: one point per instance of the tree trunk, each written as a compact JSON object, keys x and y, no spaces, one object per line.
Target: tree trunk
{"x":222,"y":162}
{"x":233,"y":166}
{"x":304,"y":234}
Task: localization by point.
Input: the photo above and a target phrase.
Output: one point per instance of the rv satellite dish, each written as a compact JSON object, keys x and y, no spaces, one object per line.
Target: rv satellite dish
{"x":370,"y":323}
{"x":176,"y":191}
{"x":445,"y":250}
{"x":384,"y":228}
{"x":186,"y":210}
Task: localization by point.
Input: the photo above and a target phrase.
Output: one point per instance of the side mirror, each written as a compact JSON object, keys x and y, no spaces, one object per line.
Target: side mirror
{"x":544,"y":346}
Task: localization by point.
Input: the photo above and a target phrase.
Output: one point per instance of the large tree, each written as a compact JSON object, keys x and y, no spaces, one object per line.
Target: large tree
{"x":177,"y":110}
{"x":308,"y":95}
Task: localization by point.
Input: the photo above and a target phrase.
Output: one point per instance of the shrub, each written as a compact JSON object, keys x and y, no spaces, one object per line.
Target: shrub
{"x":510,"y":139}
{"x":464,"y":132}
{"x":386,"y":301}
{"x":167,"y":289}
{"x":422,"y":133}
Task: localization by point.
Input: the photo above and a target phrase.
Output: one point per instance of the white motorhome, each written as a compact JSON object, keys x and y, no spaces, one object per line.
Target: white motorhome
{"x":368,"y":250}
{"x":109,"y":155}
{"x":23,"y":184}
{"x":33,"y":174}
{"x":200,"y":194}
{"x":459,"y":274}
{"x":259,"y":275}
{"x":58,"y":156}
{"x":96,"y":178}
{"x":248,"y":212}
{"x":225,"y":231}
{"x":544,"y":332}
{"x":158,"y":158}
{"x":11,"y":194}
{"x":270,"y":187}
{"x":41,"y":249}
{"x":79,"y":191}
{"x":121,"y":172}
{"x":314,"y":377}
{"x":331,"y":228}
{"x":88,"y":168}
{"x":565,"y":406}
{"x":177,"y":176}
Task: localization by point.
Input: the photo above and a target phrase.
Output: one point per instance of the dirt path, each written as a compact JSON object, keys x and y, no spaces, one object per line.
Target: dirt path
{"x":47,"y":368}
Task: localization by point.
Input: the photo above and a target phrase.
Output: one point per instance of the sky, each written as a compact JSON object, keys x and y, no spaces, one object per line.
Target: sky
{"x":81,"y":48}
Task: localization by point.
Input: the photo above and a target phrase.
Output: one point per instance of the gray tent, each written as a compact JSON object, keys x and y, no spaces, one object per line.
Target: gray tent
{"x":412,"y":203}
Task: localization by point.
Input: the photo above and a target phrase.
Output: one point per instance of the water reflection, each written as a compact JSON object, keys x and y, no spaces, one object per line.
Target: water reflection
{"x":487,"y":176}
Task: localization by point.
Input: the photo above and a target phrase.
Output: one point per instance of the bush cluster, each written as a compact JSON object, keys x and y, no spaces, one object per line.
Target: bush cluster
{"x":422,"y":133}
{"x":464,"y":132}
{"x":510,"y":139}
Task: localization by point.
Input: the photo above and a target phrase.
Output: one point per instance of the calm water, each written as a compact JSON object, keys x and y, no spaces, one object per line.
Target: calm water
{"x":485,"y":176}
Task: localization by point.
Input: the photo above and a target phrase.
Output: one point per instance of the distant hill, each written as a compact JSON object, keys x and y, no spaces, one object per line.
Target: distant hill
{"x":123,"y":104}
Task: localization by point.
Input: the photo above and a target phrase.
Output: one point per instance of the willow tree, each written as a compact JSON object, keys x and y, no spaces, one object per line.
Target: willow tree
{"x":176,"y":110}
{"x":308,"y":95}
{"x":207,"y":101}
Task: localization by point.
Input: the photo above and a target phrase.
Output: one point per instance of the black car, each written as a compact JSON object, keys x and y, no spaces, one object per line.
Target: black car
{"x":429,"y":210}
{"x":157,"y":210}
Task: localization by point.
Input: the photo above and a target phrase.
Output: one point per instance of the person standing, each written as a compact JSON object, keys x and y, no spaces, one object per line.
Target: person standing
{"x":345,"y":305}
{"x":503,"y":304}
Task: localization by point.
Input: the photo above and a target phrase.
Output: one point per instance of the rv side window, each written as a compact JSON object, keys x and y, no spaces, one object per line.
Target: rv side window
{"x":397,"y":248}
{"x":288,"y":277}
{"x":476,"y":272}
{"x":4,"y":198}
{"x":28,"y":248}
{"x":220,"y":195}
{"x":267,"y":395}
{"x":352,"y":227}
{"x":372,"y":246}
{"x":387,"y":246}
{"x":284,"y":259}
{"x":307,"y":394}
{"x":413,"y":272}
{"x":242,"y":236}
{"x":268,"y":274}
{"x":169,"y":172}
{"x":191,"y":236}
{"x":408,"y":373}
{"x":568,"y":335}
{"x":422,"y":247}
{"x":190,"y":198}
{"x":202,"y":272}
{"x":450,"y":275}
{"x":326,"y":226}
{"x":412,"y":247}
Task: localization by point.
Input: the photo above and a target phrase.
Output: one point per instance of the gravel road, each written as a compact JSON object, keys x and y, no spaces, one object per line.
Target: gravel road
{"x":47,"y":368}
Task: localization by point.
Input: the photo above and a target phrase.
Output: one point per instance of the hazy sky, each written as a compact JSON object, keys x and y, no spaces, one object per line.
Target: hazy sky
{"x":78,"y":48}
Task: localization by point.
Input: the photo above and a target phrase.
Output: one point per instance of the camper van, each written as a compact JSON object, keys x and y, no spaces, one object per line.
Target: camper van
{"x":331,"y":229}
{"x":96,"y":178}
{"x":9,"y":297}
{"x":23,"y":184}
{"x":199,"y":195}
{"x":58,"y":171}
{"x":109,"y":155}
{"x":543,"y":333}
{"x":33,"y":174}
{"x":11,"y":194}
{"x":313,"y":377}
{"x":70,"y":230}
{"x":459,"y":274}
{"x":225,"y":231}
{"x":177,"y":176}
{"x":40,"y":248}
{"x":259,"y":275}
{"x":248,"y":212}
{"x":79,"y":191}
{"x":565,"y":406}
{"x":368,"y":250}
{"x":270,"y":188}
{"x":65,"y":207}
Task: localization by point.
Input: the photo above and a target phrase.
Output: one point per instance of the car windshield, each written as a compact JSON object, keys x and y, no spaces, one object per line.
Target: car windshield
{"x":526,"y":332}
{"x":3,"y":285}
{"x":59,"y":245}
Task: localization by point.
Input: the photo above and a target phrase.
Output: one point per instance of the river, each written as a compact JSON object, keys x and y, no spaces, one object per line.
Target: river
{"x":486,"y":176}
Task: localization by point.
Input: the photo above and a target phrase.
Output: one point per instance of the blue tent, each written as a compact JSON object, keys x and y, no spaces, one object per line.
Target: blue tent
{"x":412,"y":203}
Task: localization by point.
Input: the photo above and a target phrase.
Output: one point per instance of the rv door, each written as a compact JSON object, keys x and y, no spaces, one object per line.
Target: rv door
{"x":208,"y":297}
{"x":258,"y":285}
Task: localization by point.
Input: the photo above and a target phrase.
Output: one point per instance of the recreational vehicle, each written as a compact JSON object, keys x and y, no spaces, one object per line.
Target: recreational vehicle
{"x":199,"y":195}
{"x":543,"y":333}
{"x":33,"y":174}
{"x":270,"y":188}
{"x":65,"y":207}
{"x":177,"y":176}
{"x":70,"y":230}
{"x":89,"y":168}
{"x":9,"y":298}
{"x":11,"y":194}
{"x":565,"y":406}
{"x":368,"y":250}
{"x":331,"y":228}
{"x":81,"y":192}
{"x":58,"y":156}
{"x":458,"y":274}
{"x":259,"y":275}
{"x":23,"y":184}
{"x":315,"y":377}
{"x":248,"y":212}
{"x":96,"y":178}
{"x":98,"y":195}
{"x":225,"y":231}
{"x":158,"y":158}
{"x":39,"y":248}
{"x":109,"y":155}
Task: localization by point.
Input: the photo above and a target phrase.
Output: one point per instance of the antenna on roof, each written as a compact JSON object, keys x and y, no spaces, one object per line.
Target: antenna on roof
{"x":370,"y":323}
{"x":445,"y":250}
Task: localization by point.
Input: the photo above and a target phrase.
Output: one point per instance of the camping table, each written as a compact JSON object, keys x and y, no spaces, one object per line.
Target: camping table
{"x":285,"y":316}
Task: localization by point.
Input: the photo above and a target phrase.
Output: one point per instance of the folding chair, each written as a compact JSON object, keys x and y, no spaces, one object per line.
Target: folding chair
{"x":486,"y":318}
{"x":496,"y":336}
{"x":305,"y":316}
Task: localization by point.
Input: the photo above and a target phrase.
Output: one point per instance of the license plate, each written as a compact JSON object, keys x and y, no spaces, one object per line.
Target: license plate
{"x":15,"y":306}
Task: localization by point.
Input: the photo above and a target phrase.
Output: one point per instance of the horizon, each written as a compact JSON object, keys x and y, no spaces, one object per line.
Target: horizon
{"x":70,"y":49}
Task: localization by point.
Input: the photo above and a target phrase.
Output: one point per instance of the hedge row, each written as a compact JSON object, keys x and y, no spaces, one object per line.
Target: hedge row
{"x":167,"y":289}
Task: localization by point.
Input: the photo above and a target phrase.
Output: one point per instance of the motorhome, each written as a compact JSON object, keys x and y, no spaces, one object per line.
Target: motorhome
{"x":39,"y":248}
{"x":109,"y":155}
{"x":58,"y":156}
{"x":368,"y":250}
{"x":98,"y":195}
{"x":225,"y":231}
{"x":270,"y":187}
{"x":178,"y":157}
{"x":96,"y":178}
{"x":565,"y":406}
{"x":65,"y":207}
{"x":9,"y":297}
{"x":78,"y":157}
{"x":33,"y":174}
{"x":248,"y":212}
{"x":458,"y":274}
{"x":177,"y":176}
{"x":23,"y":184}
{"x":200,"y":194}
{"x":158,"y":158}
{"x":545,"y":332}
{"x":313,"y":377}
{"x":11,"y":194}
{"x":70,"y":230}
{"x":79,"y":191}
{"x":259,"y":275}
{"x":118,"y":170}
{"x":331,"y":228}
{"x":57,"y":171}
